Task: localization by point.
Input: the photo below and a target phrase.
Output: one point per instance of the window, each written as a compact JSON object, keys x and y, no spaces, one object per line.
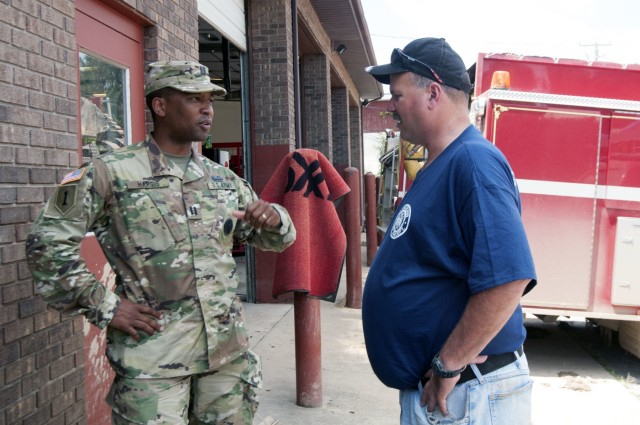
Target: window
{"x":104,"y":112}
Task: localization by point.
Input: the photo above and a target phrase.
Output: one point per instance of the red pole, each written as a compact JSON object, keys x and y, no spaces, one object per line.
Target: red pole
{"x":370,"y":214}
{"x":306,"y":314}
{"x":354,"y":238}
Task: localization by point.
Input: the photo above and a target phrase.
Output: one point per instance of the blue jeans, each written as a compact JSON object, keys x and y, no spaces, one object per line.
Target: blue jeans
{"x":502,"y":397}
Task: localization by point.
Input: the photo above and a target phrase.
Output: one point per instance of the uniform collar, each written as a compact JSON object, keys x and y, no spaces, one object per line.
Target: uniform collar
{"x":160,"y":166}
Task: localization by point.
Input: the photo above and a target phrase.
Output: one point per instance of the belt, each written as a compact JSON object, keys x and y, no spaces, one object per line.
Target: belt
{"x":491,"y":364}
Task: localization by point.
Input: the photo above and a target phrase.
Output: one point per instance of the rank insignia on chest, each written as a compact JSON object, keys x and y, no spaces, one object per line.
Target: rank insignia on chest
{"x":193,"y":212}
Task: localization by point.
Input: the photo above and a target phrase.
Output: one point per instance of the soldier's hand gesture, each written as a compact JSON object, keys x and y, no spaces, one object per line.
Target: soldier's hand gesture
{"x":260,"y":214}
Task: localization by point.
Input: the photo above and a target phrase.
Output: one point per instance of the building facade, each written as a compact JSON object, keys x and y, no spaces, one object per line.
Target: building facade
{"x":71,"y":79}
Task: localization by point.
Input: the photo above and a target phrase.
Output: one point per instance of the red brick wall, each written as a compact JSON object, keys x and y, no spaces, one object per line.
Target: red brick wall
{"x":375,"y":117}
{"x":41,"y":353}
{"x":41,"y":365}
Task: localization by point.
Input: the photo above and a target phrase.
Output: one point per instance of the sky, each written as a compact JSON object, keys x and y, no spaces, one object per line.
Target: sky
{"x":605,"y":30}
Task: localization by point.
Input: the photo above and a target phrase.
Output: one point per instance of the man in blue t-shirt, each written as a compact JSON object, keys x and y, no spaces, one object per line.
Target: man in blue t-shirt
{"x":441,"y":305}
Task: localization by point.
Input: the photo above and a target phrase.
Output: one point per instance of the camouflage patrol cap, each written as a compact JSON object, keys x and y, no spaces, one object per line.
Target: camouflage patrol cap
{"x":188,"y":77}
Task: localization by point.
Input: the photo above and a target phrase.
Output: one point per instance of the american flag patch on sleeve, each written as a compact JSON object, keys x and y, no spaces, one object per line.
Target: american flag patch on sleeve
{"x":73,"y":176}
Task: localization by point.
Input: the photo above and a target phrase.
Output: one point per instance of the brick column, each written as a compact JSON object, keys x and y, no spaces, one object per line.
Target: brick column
{"x":271,"y":65}
{"x":356,"y":146}
{"x":355,"y":141}
{"x":340,"y":128}
{"x":272,"y":108}
{"x":316,"y":104}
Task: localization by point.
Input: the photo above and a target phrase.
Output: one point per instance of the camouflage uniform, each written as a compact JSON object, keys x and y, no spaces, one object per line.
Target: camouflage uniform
{"x":168,"y":235}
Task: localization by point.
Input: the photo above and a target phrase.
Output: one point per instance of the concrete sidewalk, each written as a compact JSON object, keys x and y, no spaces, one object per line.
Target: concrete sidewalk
{"x":570,"y":387}
{"x":351,"y":392}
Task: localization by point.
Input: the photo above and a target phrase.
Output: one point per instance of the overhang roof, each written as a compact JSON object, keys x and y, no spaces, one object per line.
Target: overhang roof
{"x":344,"y":23}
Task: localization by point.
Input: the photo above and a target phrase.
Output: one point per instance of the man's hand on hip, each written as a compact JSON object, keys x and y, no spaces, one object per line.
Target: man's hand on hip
{"x":131,"y":316}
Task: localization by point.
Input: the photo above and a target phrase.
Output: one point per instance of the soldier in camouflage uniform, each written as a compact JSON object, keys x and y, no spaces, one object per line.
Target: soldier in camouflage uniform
{"x":165,"y":217}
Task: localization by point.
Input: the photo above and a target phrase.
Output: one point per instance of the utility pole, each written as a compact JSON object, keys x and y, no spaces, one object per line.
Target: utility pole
{"x":596,"y":48}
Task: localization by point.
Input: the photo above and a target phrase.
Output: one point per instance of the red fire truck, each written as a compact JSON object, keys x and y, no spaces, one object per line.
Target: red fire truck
{"x":571,"y":132}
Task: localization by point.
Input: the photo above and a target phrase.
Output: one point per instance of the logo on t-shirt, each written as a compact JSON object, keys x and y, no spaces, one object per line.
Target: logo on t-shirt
{"x":401,"y":223}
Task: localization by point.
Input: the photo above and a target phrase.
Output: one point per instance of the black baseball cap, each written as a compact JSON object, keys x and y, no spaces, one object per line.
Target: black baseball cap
{"x":430,"y":57}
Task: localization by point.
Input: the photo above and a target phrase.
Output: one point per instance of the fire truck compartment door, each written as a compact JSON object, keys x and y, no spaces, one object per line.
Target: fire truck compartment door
{"x":554,"y":155}
{"x":626,"y":265}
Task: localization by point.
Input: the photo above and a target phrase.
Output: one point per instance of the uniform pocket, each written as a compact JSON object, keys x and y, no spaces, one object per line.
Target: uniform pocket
{"x":146,"y":225}
{"x":230,"y":337}
{"x":131,"y":402}
{"x":218,"y":205}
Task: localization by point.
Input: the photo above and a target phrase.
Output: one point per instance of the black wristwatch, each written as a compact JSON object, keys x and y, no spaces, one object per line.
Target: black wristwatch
{"x":438,"y":368}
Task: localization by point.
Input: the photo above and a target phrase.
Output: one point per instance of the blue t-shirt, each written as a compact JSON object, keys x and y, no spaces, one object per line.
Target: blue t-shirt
{"x":457,"y":232}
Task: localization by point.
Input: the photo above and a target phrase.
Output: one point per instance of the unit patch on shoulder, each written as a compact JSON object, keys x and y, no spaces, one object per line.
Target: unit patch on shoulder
{"x":66,"y":198}
{"x":73,"y":176}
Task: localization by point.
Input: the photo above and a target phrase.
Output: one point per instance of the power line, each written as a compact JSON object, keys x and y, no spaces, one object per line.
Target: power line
{"x":596,"y":48}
